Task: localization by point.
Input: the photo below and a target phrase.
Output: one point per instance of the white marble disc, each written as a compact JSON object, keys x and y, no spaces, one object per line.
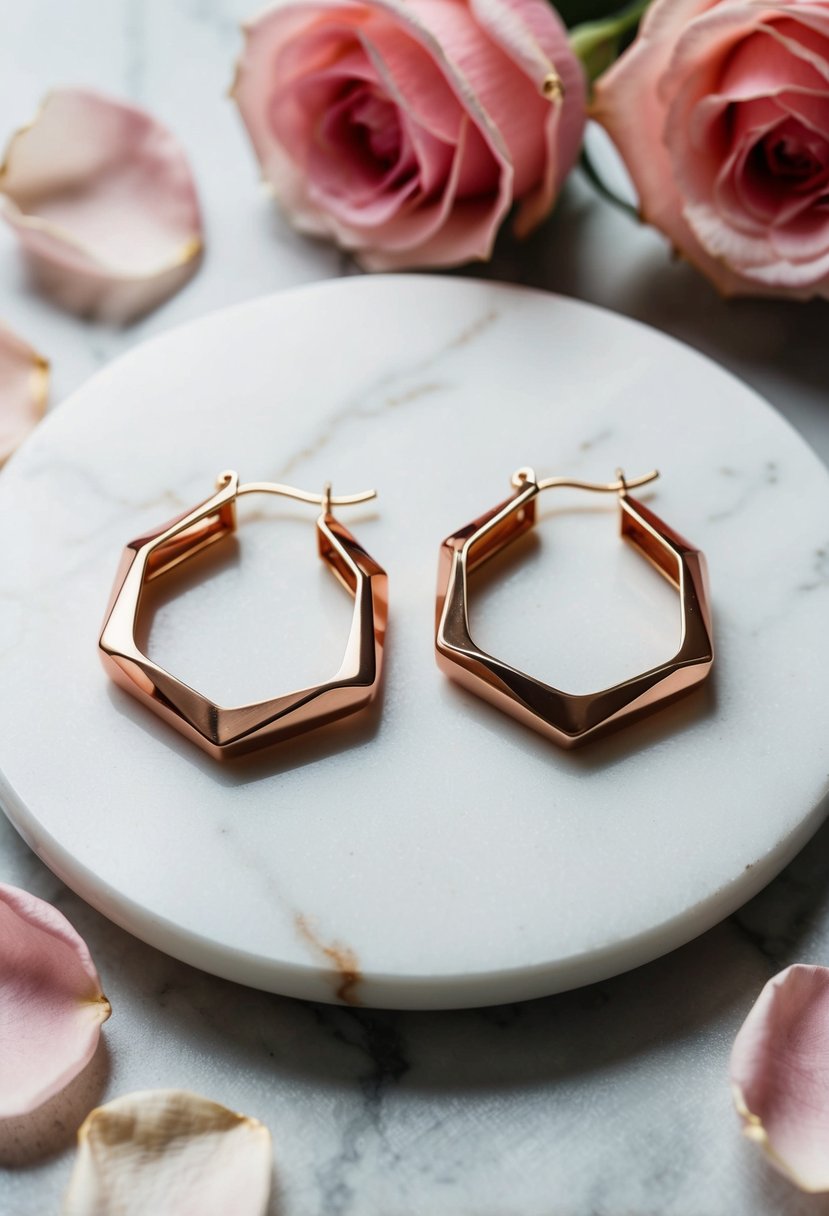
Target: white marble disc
{"x":434,"y":853}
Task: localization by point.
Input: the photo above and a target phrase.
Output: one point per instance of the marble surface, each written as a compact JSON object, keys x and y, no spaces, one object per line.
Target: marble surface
{"x":609,"y":1101}
{"x":433,"y":853}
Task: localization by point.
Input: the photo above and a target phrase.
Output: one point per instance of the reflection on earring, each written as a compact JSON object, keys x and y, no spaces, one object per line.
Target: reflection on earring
{"x":568,"y":719}
{"x":223,"y":731}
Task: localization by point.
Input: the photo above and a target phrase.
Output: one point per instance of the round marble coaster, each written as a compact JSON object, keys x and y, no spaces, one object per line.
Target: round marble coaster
{"x":434,"y":852}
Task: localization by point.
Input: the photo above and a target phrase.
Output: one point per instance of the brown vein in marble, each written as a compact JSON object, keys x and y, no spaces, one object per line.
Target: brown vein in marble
{"x":347,"y":973}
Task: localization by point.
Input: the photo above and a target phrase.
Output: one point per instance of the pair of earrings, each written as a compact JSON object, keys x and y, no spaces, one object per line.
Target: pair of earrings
{"x":565,"y":718}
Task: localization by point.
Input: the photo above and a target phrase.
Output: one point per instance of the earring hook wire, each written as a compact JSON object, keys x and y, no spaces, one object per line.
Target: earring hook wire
{"x":521,"y":477}
{"x":326,"y":499}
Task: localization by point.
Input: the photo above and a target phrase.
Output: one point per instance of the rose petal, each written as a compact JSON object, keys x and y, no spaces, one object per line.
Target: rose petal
{"x":24,"y":387}
{"x":780,"y":1074}
{"x":166,"y":1153}
{"x":406,"y":129}
{"x":51,"y":1004}
{"x":669,"y":105}
{"x":101,"y":197}
{"x":534,"y":36}
{"x":627,"y":104}
{"x":447,"y":78}
{"x":449,"y":229}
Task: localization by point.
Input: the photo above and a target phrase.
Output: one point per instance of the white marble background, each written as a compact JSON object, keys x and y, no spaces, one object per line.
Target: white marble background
{"x":610,"y":1101}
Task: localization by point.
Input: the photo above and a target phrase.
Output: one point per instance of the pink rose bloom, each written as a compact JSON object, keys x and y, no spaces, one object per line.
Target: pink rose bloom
{"x":406,"y":129}
{"x":721,"y":112}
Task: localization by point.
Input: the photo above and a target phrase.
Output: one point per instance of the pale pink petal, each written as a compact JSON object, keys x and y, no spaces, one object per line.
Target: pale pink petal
{"x":464,"y":92}
{"x":668,"y":105}
{"x":533,"y":35}
{"x":51,"y":1004}
{"x":407,"y":129}
{"x":780,"y":1074}
{"x":627,"y":103}
{"x":812,"y":16}
{"x":812,"y":109}
{"x":101,"y":197}
{"x":170,"y":1153}
{"x":432,"y":69}
{"x":805,"y":41}
{"x":762,"y":66}
{"x":24,"y":387}
{"x":429,"y":119}
{"x":450,"y":232}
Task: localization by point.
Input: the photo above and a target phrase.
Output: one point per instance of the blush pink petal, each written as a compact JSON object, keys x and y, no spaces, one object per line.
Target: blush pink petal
{"x":292,"y":115}
{"x":705,"y":176}
{"x":701,"y":56}
{"x":737,"y":248}
{"x":432,"y":120}
{"x":804,"y":35}
{"x":762,"y":66}
{"x":448,"y":231}
{"x":351,"y":188}
{"x":51,"y":1004}
{"x":24,"y":387}
{"x":407,"y":69}
{"x":780,"y":1074}
{"x":531,"y":32}
{"x":740,"y":200}
{"x":627,"y":104}
{"x":414,"y":69}
{"x":463,"y":86}
{"x":470,"y":67}
{"x":101,"y":197}
{"x":808,"y":24}
{"x":170,"y":1153}
{"x":812,"y":109}
{"x":681,"y":105}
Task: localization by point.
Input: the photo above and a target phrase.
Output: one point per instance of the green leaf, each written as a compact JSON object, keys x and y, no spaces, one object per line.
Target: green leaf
{"x":599,"y":43}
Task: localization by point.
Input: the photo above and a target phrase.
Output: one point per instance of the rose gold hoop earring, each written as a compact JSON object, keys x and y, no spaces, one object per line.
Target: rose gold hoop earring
{"x":223,"y":731}
{"x":570,"y":720}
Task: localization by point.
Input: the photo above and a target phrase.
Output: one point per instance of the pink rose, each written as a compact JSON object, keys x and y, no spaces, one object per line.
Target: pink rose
{"x":405,"y":129}
{"x":721,"y":111}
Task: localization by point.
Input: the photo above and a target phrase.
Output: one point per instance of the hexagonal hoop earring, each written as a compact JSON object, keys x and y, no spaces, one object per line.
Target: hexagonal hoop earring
{"x":220,"y":730}
{"x":566,"y":718}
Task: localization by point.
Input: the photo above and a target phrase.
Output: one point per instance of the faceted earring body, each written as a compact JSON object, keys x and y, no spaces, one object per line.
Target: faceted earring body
{"x":230,"y":731}
{"x":566,"y":718}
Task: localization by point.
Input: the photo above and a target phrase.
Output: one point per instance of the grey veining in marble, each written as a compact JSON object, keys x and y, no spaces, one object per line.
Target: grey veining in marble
{"x":610,"y":1101}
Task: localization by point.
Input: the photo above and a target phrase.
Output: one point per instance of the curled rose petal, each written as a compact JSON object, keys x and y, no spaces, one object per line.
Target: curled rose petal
{"x":780,"y":1074}
{"x":168,"y":1152}
{"x":102,"y":199}
{"x":24,"y":387}
{"x":51,"y":1004}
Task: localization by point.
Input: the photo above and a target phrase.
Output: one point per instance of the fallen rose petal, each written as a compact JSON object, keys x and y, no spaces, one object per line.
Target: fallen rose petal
{"x":51,"y":1004}
{"x":780,"y":1074}
{"x":168,"y":1152}
{"x":102,"y":199}
{"x":24,"y":387}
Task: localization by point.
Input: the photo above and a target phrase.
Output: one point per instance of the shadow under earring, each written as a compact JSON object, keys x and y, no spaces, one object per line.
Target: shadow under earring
{"x":571,"y":719}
